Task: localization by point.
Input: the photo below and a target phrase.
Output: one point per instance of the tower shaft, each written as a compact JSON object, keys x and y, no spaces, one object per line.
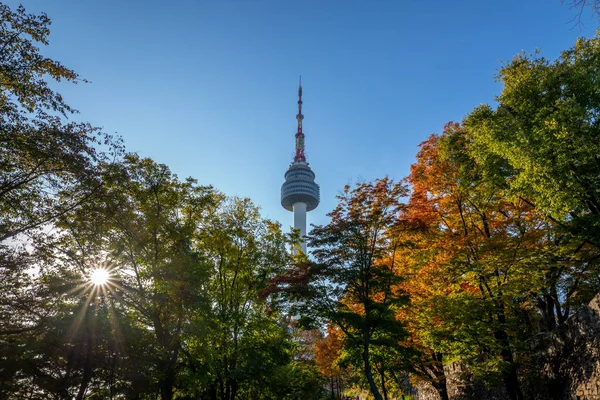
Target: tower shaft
{"x":300,"y":221}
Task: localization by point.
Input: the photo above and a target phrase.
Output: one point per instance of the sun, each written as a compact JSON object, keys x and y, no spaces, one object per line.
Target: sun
{"x":99,"y":276}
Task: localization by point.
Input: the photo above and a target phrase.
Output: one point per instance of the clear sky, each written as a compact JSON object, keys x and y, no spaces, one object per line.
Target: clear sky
{"x":209,"y":87}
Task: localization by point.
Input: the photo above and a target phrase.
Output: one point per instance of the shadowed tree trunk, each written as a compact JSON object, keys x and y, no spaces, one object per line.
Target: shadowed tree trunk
{"x":367,"y":366}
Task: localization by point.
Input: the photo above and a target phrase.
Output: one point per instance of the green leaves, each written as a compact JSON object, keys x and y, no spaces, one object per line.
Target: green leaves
{"x":23,"y":70}
{"x":546,"y":128}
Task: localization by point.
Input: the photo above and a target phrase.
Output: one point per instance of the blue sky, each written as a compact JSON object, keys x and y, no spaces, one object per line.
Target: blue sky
{"x":209,"y":87}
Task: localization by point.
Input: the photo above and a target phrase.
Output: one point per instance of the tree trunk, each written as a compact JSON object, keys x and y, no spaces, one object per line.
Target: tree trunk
{"x":234,"y":388}
{"x":166,"y":385}
{"x":367,"y":364}
{"x":511,"y":380}
{"x":87,"y":363}
{"x":551,"y":317}
{"x":221,"y":386}
{"x":383,"y":389}
{"x":438,"y":376}
{"x":331,"y":386}
{"x":440,"y":387}
{"x":212,"y":391}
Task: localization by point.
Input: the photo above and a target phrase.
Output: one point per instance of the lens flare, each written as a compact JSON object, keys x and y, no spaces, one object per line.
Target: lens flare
{"x":99,"y":276}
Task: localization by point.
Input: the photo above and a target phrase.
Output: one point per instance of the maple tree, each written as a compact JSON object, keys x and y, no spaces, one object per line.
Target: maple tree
{"x":472,"y":271}
{"x":328,"y":351}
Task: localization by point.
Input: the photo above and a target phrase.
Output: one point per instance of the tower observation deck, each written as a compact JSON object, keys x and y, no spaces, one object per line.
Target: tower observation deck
{"x":299,"y":192}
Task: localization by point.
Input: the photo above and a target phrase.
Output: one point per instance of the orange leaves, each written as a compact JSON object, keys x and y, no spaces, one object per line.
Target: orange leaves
{"x":471,"y":252}
{"x":467,"y":287}
{"x":327,"y":352}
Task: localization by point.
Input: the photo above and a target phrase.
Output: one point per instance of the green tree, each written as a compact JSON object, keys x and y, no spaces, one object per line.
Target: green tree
{"x":353,"y":282}
{"x":48,"y":167}
{"x":160,"y":274}
{"x":547,"y":130}
{"x":245,"y":252}
{"x":41,"y":157}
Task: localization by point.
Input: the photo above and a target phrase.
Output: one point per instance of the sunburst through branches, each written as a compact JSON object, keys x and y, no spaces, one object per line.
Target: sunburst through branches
{"x":99,"y":276}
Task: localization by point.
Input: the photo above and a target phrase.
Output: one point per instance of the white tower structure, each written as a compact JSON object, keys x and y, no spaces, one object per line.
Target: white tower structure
{"x":300,"y":193}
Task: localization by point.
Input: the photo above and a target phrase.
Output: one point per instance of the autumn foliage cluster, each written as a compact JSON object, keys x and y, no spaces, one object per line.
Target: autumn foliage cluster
{"x":493,"y":239}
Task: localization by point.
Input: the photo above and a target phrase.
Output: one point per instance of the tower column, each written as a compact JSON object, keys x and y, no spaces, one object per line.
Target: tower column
{"x":300,"y":221}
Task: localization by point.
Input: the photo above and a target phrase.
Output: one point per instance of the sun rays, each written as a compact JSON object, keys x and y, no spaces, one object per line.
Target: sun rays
{"x":96,"y":293}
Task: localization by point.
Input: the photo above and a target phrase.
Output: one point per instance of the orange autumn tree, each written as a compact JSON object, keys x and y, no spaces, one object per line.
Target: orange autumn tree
{"x":470,"y":273}
{"x":327,"y":353}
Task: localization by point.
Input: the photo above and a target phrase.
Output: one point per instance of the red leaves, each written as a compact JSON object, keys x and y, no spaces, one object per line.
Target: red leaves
{"x":290,"y":281}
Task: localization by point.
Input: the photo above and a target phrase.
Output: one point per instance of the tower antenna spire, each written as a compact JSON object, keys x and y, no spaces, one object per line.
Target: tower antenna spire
{"x":299,"y":157}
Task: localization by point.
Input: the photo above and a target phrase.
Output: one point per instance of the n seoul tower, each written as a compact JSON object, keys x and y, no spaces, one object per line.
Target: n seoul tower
{"x":299,"y":192}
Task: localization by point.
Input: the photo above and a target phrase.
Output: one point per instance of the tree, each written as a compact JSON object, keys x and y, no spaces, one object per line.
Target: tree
{"x":328,"y":350}
{"x":150,"y":220}
{"x":41,"y":158}
{"x":245,"y":251}
{"x":546,"y":130}
{"x":544,"y":137}
{"x":472,"y":269}
{"x":353,"y":283}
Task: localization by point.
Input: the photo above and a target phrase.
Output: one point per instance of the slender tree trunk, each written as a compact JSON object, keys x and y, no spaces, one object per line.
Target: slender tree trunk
{"x":227,"y":388}
{"x":222,"y":387}
{"x":367,"y":365}
{"x":234,"y":387}
{"x":85,"y":380}
{"x":87,"y":364}
{"x":331,"y":386}
{"x":212,"y":391}
{"x":383,"y":388}
{"x":441,"y":377}
{"x":511,"y":380}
